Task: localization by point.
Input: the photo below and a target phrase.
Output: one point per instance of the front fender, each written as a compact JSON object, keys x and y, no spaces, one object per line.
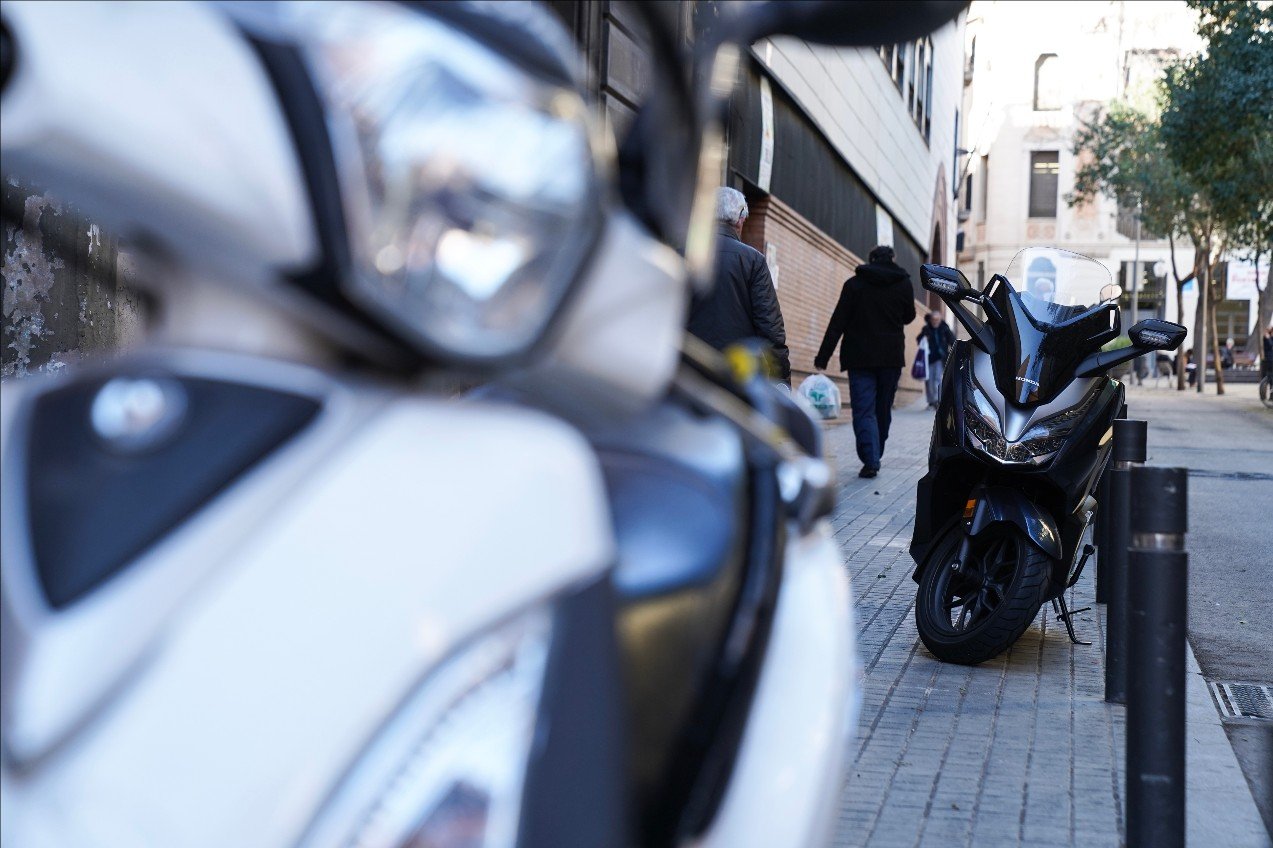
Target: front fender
{"x":1001,"y":505}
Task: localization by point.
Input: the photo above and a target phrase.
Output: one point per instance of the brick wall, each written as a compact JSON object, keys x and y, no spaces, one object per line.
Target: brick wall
{"x":809,"y":269}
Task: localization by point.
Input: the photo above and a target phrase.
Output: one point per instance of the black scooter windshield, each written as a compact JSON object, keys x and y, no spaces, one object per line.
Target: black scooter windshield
{"x":1044,"y":331}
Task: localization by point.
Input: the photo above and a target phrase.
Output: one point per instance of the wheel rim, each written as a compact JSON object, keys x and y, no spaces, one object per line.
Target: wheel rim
{"x":965,"y":601}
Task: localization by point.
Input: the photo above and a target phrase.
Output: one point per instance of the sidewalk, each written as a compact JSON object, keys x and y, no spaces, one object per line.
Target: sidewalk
{"x":1021,"y":750}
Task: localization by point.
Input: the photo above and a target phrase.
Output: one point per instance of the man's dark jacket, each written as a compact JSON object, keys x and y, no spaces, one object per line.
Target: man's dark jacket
{"x":743,"y":303}
{"x":875,"y":306}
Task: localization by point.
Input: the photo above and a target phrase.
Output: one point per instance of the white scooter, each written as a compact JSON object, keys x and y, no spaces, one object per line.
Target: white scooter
{"x":264,"y":585}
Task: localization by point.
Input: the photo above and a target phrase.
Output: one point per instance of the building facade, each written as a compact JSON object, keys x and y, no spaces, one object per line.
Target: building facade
{"x":841,"y":150}
{"x":1035,"y":71}
{"x":837,"y":150}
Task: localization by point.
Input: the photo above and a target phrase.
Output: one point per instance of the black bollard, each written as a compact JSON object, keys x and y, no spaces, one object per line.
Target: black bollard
{"x":1100,"y":529}
{"x":1100,"y":525}
{"x":1159,"y":571}
{"x":1129,"y":447}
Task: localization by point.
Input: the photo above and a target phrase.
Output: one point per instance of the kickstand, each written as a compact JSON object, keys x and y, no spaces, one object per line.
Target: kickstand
{"x":1088,"y":550}
{"x":1064,"y":614}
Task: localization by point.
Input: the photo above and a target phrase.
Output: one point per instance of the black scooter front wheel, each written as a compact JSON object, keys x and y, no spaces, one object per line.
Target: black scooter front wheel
{"x":976,"y":613}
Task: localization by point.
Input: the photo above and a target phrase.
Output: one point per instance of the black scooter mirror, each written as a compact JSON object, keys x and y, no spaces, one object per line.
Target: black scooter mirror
{"x":1150,"y":334}
{"x":948,"y":281}
{"x":1155,"y":334}
{"x":847,"y":23}
{"x":954,"y":287}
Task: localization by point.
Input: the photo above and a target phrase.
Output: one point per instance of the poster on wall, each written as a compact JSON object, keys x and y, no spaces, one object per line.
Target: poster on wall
{"x":766,"y":134}
{"x":1242,"y":279}
{"x":883,"y":226}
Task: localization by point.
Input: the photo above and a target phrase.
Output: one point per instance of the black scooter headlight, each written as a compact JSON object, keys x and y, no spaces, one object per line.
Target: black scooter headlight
{"x":1037,"y":445}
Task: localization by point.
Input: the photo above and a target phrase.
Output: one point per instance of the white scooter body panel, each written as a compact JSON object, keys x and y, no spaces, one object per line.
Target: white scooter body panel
{"x":790,"y":768}
{"x":431,"y":523}
{"x":158,"y":119}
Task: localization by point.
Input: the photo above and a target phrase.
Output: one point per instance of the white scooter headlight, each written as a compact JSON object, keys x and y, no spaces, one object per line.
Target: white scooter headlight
{"x":468,"y":183}
{"x":449,"y":771}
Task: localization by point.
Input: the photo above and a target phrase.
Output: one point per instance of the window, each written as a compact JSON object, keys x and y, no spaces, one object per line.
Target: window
{"x":1047,"y":83}
{"x":985,"y":188}
{"x":917,"y":85}
{"x":916,"y":70}
{"x":1045,"y":169}
{"x":968,"y":193}
{"x":888,"y":54}
{"x":1232,"y":319}
{"x":920,"y":89}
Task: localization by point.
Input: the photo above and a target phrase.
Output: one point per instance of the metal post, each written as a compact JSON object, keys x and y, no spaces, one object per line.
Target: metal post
{"x":1200,"y":333}
{"x":1130,"y":437}
{"x":1100,"y":536}
{"x":1100,"y":533}
{"x":1136,"y":292}
{"x":1156,"y":677}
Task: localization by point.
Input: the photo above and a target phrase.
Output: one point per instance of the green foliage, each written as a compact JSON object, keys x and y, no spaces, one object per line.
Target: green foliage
{"x":1217,"y":121}
{"x":1122,"y":155}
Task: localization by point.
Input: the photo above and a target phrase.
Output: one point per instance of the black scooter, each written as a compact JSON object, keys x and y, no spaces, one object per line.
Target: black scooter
{"x":1021,"y":438}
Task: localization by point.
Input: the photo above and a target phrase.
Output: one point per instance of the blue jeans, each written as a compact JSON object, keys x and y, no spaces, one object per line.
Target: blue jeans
{"x":871,"y":392}
{"x":932,"y":386}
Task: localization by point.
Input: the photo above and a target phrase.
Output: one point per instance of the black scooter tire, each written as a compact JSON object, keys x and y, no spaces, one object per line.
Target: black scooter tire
{"x":1005,"y":624}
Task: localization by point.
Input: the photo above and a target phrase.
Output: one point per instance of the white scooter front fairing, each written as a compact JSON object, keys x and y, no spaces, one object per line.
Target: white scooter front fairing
{"x":790,"y":767}
{"x":221,"y":689}
{"x":268,"y":672}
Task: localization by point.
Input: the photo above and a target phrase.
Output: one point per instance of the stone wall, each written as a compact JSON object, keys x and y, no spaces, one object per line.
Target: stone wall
{"x":65,"y":291}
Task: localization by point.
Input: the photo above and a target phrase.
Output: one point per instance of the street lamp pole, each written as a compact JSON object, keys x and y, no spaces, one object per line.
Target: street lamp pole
{"x":1136,"y":288}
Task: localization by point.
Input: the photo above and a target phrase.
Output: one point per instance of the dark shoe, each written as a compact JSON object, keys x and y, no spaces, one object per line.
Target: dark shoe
{"x":868,"y":472}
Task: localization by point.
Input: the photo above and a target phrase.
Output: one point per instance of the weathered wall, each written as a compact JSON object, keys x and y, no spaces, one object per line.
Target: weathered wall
{"x":809,"y":268}
{"x":65,"y":291}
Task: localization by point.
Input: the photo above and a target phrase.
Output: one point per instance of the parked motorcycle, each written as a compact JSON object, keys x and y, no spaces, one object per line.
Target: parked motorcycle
{"x":264,"y":584}
{"x":1020,"y":440}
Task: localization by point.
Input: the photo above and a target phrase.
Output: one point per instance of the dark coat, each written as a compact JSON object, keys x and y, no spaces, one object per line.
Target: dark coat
{"x":742,"y":304}
{"x":940,"y":340}
{"x":875,"y":306}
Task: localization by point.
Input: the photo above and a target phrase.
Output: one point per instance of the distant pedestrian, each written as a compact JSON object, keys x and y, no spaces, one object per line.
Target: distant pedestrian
{"x":1266,"y":358}
{"x":743,"y":303}
{"x":1226,"y":355}
{"x":940,"y":339}
{"x":1191,"y":367}
{"x":875,"y":306}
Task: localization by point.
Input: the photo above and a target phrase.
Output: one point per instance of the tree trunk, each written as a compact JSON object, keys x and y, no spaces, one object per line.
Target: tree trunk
{"x":1180,"y":306}
{"x":1203,"y":283}
{"x":1264,"y":308}
{"x":1214,"y":300}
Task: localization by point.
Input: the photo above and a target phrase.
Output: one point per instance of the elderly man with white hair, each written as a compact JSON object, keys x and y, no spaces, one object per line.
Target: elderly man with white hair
{"x":743,"y":303}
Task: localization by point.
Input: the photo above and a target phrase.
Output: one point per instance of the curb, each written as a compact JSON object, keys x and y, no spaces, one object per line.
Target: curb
{"x":1219,"y":808}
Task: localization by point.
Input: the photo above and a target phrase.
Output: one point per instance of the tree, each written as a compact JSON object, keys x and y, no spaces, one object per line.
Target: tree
{"x":1122,"y":155}
{"x":1217,"y":128}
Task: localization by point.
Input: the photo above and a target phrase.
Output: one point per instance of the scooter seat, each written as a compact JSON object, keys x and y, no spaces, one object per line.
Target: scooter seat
{"x":678,"y":493}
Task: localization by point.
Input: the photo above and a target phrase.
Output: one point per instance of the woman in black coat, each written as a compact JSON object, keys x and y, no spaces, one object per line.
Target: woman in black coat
{"x":940,"y":340}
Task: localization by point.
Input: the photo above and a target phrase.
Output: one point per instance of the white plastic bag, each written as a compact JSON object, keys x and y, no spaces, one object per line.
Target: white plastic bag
{"x":822,"y":393}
